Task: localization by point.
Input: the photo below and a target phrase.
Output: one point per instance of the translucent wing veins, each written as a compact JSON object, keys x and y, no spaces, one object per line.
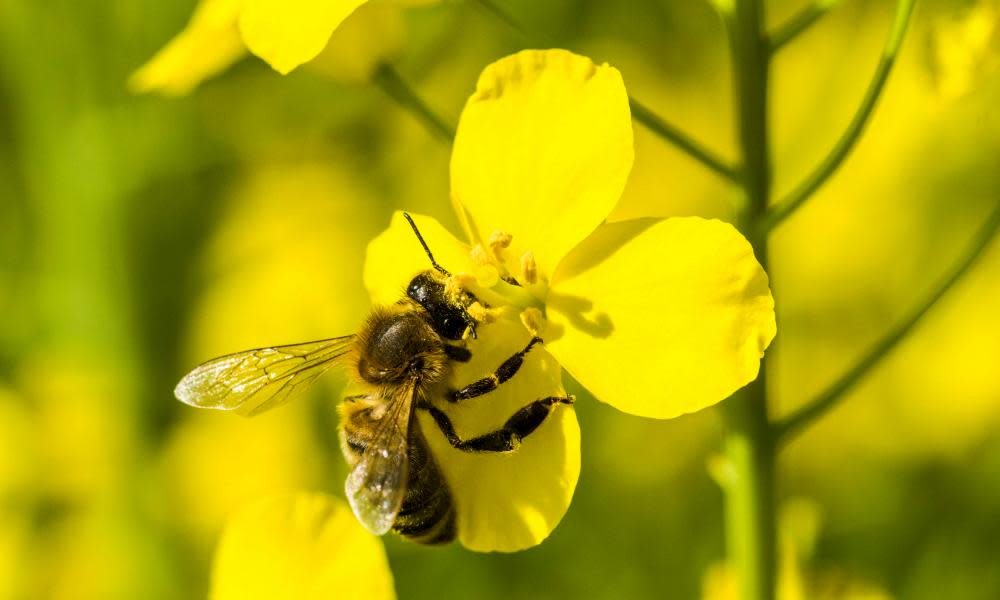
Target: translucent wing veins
{"x":256,"y":380}
{"x":376,"y":484}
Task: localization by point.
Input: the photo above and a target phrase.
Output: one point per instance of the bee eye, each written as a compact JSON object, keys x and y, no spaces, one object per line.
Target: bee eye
{"x":453,"y":326}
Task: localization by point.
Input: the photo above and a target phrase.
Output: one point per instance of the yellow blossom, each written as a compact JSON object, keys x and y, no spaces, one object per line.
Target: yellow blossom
{"x":965,"y":48}
{"x":799,"y":524}
{"x":299,"y":547}
{"x":655,"y":317}
{"x":284,"y":34}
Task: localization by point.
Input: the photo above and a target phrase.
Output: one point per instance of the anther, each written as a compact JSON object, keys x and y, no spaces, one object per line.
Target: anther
{"x":499,"y":240}
{"x":534,"y":321}
{"x":480,"y":256}
{"x":529,"y":269}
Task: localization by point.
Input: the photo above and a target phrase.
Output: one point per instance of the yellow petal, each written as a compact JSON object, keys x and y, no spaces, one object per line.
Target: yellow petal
{"x":279,"y":276}
{"x":287,"y":33}
{"x":373,"y":34}
{"x":213,"y":463}
{"x":543,"y":149}
{"x":209,"y":44}
{"x":512,"y":501}
{"x":661,"y":318}
{"x":299,"y":547}
{"x":395,"y":256}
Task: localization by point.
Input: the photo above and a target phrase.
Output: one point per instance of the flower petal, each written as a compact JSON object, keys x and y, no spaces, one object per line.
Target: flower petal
{"x":395,"y":256}
{"x":301,"y":546}
{"x":287,"y":33}
{"x":543,"y":149}
{"x":510,"y":501}
{"x":661,"y":318}
{"x":209,"y":44}
{"x":372,"y":35}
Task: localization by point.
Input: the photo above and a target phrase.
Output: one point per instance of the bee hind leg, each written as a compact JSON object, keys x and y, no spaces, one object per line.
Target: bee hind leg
{"x":489,"y":383}
{"x":508,"y":437}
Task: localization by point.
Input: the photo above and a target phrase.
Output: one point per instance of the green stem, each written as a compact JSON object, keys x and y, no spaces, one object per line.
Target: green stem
{"x":750,"y":514}
{"x":800,"y":22}
{"x":800,"y":419}
{"x":389,"y":80}
{"x":640,"y":112}
{"x":680,"y":139}
{"x":783,"y":209}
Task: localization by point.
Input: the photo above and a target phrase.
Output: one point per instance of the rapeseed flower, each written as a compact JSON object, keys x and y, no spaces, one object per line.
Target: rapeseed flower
{"x":300,"y":546}
{"x":285,"y":34}
{"x":656,"y":317}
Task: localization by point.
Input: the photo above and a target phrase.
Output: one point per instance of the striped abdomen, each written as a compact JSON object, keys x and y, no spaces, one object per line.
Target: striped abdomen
{"x":428,"y":514}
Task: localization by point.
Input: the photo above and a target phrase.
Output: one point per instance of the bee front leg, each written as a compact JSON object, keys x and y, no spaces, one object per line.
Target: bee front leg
{"x":489,"y":383}
{"x":457,"y":353}
{"x":508,"y":437}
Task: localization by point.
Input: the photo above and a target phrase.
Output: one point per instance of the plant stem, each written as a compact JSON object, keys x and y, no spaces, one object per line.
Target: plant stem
{"x":389,"y":80}
{"x":683,"y":141}
{"x":640,"y":112}
{"x":750,"y":514}
{"x":800,"y":419}
{"x":781,"y":211}
{"x":799,"y":22}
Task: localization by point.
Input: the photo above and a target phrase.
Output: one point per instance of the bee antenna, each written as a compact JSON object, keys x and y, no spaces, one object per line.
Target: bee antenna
{"x":416,"y":231}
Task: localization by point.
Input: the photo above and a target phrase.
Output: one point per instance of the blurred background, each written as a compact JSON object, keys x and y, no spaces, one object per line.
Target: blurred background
{"x":140,"y":235}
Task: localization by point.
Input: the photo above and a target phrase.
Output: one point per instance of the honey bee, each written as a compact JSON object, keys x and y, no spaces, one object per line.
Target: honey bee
{"x":401,"y":357}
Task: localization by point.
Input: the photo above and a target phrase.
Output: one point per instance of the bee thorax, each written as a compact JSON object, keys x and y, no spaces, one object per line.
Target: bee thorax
{"x":397,"y":346}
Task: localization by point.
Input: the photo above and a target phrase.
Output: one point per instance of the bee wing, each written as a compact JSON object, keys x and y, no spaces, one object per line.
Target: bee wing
{"x":256,"y":380}
{"x":377,"y":483}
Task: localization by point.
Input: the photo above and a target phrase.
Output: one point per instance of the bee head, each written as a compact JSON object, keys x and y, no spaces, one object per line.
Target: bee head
{"x":450,"y":320}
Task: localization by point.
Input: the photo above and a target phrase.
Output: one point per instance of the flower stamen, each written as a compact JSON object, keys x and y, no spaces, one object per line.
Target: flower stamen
{"x":529,"y":269}
{"x":481,"y":314}
{"x":498,"y":242}
{"x":480,"y":256}
{"x":534,"y":321}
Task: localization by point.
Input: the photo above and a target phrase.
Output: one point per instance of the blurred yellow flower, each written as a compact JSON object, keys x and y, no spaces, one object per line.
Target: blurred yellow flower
{"x":284,"y":34}
{"x":293,"y":265}
{"x":965,"y":48}
{"x":657,"y":318}
{"x":299,"y":547}
{"x":17,"y":473}
{"x":212,"y":464}
{"x":799,"y":524}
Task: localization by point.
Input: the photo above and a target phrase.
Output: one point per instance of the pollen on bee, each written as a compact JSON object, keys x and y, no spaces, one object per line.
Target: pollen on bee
{"x":481,"y":314}
{"x":534,"y":321}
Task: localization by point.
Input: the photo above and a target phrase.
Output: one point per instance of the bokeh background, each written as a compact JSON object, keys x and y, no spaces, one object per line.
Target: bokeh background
{"x":140,"y":235}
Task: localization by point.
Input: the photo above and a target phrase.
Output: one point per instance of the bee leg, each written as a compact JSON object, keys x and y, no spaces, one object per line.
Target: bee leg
{"x":508,"y":437}
{"x":489,"y":383}
{"x":457,"y":353}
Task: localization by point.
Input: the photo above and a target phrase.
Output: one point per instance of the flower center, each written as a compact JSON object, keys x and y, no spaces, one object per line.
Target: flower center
{"x":518,"y":290}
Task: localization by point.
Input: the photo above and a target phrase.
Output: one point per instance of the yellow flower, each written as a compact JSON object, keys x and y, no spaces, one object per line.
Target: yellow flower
{"x":965,"y":48}
{"x":299,"y":547}
{"x":284,"y":33}
{"x":799,"y":524}
{"x":655,"y":317}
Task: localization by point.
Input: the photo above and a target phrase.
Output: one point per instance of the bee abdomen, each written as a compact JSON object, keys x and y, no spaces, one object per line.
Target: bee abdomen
{"x":427,"y":515}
